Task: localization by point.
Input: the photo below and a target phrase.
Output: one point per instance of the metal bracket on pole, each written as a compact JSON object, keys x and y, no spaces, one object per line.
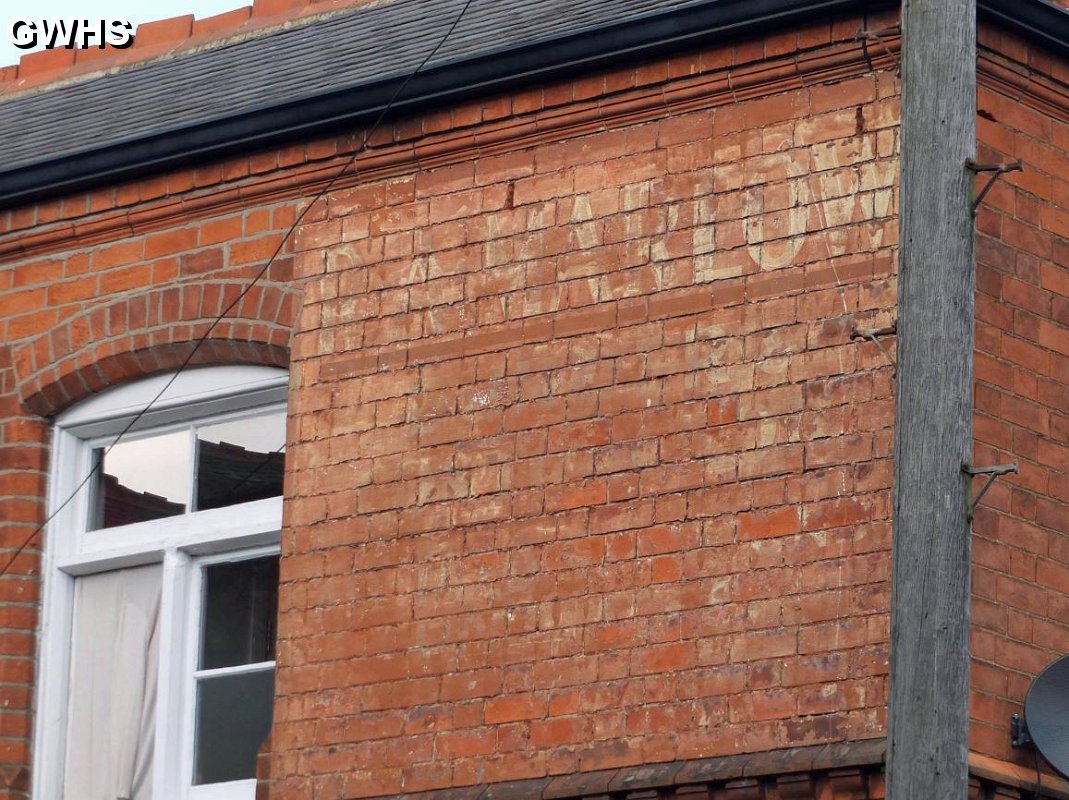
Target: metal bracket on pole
{"x":991,"y":472}
{"x":998,"y":169}
{"x":866,"y":36}
{"x":874,"y":334}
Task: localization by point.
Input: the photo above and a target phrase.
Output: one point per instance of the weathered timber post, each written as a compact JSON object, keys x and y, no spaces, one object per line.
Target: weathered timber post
{"x":928,"y":730}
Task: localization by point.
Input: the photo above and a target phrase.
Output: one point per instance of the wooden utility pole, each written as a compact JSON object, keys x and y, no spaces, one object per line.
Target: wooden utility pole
{"x":928,"y":731}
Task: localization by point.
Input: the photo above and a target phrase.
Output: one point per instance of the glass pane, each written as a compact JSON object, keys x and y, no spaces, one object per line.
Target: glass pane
{"x":233,"y":719}
{"x":240,"y":461}
{"x":240,"y":607}
{"x":140,"y":480}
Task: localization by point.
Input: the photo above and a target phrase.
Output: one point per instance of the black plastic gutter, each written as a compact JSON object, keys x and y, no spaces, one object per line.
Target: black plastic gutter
{"x":653,"y":36}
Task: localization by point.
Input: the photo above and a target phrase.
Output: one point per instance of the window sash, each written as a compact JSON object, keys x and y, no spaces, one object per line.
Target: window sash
{"x":194,"y":608}
{"x":181,"y":544}
{"x":204,"y":532}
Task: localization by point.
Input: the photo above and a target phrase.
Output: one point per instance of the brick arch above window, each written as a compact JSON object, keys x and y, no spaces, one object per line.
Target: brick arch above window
{"x":150,"y":332}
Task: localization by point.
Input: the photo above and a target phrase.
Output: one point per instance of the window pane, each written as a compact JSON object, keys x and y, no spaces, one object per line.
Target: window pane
{"x":140,"y":480}
{"x":240,"y":606}
{"x":240,"y":461}
{"x":233,"y":719}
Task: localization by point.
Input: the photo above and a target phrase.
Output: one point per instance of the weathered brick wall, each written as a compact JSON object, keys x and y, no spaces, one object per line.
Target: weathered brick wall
{"x":1021,"y":533}
{"x":588,"y":469}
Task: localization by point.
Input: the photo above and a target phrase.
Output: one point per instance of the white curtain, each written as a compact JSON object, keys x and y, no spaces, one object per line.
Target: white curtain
{"x":112,"y":705}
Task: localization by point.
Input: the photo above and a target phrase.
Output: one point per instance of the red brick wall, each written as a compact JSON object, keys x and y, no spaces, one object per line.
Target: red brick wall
{"x":589,"y":471}
{"x":1021,"y":540}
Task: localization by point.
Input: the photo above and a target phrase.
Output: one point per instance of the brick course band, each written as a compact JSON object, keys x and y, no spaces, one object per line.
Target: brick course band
{"x":847,"y":769}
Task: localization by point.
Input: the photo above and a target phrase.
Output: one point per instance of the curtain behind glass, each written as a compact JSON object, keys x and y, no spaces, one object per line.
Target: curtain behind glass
{"x":112,"y":706}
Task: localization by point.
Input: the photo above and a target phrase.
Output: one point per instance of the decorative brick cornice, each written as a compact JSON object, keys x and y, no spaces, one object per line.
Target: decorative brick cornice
{"x":1023,"y":83}
{"x":994,"y":779}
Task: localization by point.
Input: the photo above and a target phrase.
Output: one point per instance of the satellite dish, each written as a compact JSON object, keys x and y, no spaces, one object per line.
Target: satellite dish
{"x":1046,"y":713}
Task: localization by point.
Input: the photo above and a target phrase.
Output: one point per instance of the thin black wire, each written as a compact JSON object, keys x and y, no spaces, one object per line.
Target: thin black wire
{"x":233,"y":304}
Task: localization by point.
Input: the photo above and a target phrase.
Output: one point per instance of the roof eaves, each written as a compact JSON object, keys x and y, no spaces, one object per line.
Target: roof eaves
{"x":652,"y":34}
{"x":655,"y":34}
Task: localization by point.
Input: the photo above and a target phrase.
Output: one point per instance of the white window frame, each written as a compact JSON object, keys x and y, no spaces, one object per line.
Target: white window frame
{"x":182,"y":544}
